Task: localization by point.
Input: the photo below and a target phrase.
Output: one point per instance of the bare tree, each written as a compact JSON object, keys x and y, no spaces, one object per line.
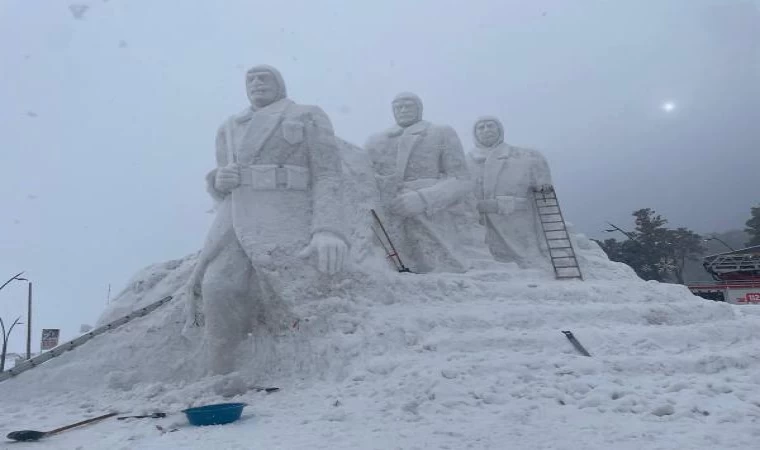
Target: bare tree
{"x":6,"y":335}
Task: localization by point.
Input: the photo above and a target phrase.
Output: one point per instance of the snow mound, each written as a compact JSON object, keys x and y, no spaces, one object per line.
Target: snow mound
{"x":428,"y":361}
{"x":139,"y":291}
{"x":378,"y":359}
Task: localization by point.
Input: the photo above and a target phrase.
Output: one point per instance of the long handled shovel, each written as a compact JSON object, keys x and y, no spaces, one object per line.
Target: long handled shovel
{"x":32,"y":435}
{"x":155,"y":415}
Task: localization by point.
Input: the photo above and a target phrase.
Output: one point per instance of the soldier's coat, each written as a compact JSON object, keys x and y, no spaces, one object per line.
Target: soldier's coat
{"x":428,"y":159}
{"x":509,"y":175}
{"x":273,"y":226}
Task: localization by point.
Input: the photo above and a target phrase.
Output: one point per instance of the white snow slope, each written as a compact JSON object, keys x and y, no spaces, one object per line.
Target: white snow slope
{"x":405,"y":361}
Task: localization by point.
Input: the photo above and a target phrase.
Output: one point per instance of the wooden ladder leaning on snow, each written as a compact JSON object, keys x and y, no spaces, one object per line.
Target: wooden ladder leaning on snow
{"x":560,"y":247}
{"x":74,"y":343}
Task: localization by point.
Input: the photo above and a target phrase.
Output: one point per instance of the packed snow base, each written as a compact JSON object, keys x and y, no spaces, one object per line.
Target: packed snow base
{"x":474,"y":360}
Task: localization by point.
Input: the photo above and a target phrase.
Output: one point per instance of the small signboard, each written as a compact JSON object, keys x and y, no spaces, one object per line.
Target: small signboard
{"x":49,"y":338}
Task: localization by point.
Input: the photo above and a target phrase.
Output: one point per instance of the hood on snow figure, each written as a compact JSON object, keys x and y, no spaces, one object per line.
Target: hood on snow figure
{"x":505,"y":177}
{"x":264,"y":85}
{"x":422,"y":175}
{"x":278,"y":184}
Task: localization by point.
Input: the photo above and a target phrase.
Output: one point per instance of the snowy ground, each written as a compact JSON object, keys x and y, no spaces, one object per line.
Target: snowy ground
{"x":475,"y":360}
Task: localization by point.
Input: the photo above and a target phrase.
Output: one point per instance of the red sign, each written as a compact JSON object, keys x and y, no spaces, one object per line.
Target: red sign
{"x":752,"y":297}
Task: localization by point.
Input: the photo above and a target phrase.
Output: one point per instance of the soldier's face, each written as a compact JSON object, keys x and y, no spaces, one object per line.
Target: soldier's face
{"x":487,"y":133}
{"x":262,"y":87}
{"x":406,"y":112}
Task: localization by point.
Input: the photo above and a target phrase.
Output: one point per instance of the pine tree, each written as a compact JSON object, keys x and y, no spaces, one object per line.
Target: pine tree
{"x":685,"y":245}
{"x":753,"y":227}
{"x":654,"y":251}
{"x":653,"y":245}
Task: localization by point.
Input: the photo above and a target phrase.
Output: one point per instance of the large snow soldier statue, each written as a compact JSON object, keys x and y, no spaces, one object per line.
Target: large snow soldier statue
{"x":278,"y":184}
{"x":422,"y":174}
{"x":505,"y":177}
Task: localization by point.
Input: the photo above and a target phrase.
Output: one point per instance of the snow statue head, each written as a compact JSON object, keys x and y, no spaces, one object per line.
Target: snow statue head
{"x":488,"y":132}
{"x":407,"y":109}
{"x":279,"y":222}
{"x":264,"y":85}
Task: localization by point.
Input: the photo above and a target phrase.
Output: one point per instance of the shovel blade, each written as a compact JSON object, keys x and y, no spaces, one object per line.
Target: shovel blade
{"x":26,"y":435}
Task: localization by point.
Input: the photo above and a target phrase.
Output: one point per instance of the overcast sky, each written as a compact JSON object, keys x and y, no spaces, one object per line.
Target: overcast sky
{"x":107,"y":122}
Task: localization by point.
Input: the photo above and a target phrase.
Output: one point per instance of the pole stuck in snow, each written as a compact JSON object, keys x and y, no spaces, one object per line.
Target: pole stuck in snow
{"x":393,"y":253}
{"x":578,"y":346}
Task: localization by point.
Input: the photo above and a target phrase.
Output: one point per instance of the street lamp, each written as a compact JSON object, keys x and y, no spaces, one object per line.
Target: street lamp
{"x":713,"y":238}
{"x":13,"y":278}
{"x":5,"y":335}
{"x":18,"y":277}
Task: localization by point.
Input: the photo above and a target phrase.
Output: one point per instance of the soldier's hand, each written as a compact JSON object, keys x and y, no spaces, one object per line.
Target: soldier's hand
{"x":409,"y":204}
{"x":227,"y":178}
{"x":330,"y":249}
{"x":490,"y":206}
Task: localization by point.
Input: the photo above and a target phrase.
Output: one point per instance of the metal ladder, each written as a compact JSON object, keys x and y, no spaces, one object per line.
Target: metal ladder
{"x":74,"y":343}
{"x":560,"y":247}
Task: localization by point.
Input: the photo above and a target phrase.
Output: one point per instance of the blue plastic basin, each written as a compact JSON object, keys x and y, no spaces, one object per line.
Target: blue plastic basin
{"x":216,"y":414}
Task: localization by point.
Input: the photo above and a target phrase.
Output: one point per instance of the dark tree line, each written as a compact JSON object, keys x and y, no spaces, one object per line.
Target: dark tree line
{"x":654,"y":251}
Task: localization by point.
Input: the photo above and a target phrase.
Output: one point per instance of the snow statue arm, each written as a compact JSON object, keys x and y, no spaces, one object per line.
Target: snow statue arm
{"x":540,"y":174}
{"x":225,"y":177}
{"x":539,"y":177}
{"x":455,"y":181}
{"x":328,"y":240}
{"x":508,"y":204}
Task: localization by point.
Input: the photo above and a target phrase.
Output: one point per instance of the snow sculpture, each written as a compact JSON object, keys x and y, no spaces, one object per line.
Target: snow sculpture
{"x":278,"y":184}
{"x":421,"y":172}
{"x":505,"y":177}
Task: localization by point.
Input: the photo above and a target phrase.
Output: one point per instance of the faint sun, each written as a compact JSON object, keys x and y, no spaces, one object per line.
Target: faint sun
{"x":668,"y":106}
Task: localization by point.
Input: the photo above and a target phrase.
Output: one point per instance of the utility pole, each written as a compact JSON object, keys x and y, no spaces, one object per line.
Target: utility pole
{"x":29,"y":323}
{"x":28,"y":316}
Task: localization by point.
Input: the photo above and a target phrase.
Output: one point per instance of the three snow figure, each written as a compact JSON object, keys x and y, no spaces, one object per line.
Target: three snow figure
{"x":504,"y":183}
{"x":279,"y":185}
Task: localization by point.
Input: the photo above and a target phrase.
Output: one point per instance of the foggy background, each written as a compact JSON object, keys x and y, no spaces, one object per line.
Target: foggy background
{"x":107,"y":121}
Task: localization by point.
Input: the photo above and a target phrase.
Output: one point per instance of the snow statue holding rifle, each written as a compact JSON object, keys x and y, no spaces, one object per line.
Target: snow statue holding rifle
{"x":505,"y":177}
{"x":421,"y":173}
{"x":278,"y":184}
